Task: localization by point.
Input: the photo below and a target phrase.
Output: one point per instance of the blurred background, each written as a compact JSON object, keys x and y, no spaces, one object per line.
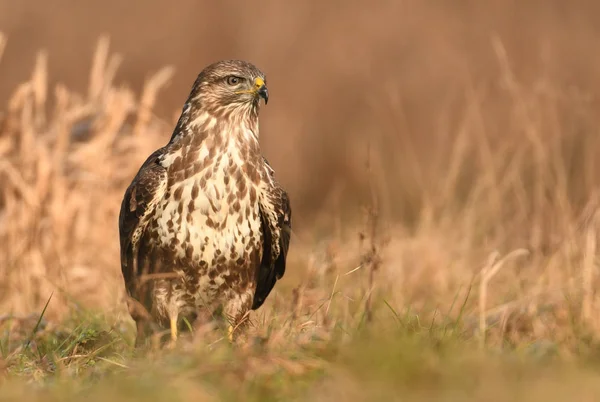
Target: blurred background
{"x":471,"y":126}
{"x":342,"y":74}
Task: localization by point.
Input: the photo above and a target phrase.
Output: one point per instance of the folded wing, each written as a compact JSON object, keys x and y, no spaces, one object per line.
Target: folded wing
{"x":137,"y":207}
{"x":276,"y":217}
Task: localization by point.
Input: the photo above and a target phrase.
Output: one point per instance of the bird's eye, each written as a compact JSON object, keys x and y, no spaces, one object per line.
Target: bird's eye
{"x":233,"y":80}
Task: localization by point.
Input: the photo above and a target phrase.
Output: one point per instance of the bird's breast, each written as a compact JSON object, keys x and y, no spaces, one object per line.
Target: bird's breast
{"x":210,"y":213}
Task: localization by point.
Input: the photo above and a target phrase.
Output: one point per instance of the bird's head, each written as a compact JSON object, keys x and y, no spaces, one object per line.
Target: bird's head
{"x":229,"y":86}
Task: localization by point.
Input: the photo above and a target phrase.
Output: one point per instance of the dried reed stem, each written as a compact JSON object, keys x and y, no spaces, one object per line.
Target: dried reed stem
{"x":371,"y":258}
{"x":2,"y":44}
{"x":98,"y":72}
{"x":148,"y":98}
{"x":487,"y":273}
{"x":39,"y":80}
{"x":589,"y":270}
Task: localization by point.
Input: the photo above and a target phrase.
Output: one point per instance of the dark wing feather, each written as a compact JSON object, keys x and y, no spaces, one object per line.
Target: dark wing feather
{"x":276,"y":217}
{"x":140,"y":200}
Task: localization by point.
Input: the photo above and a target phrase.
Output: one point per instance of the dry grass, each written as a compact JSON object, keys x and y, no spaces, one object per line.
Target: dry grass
{"x":62,"y":175}
{"x":483,"y":238}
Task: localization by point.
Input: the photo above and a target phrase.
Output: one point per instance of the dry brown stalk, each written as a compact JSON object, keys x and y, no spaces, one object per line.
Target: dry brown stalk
{"x":148,"y":99}
{"x":589,"y":272}
{"x":493,"y":265}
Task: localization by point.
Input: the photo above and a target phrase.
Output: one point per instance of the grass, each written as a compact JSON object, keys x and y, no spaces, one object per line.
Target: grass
{"x":397,"y":359}
{"x":471,"y":277}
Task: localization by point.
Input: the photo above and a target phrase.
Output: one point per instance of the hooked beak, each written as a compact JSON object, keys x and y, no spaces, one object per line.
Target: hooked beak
{"x":261,"y":90}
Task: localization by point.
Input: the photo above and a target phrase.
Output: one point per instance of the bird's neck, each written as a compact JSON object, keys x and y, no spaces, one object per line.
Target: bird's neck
{"x":201,"y":127}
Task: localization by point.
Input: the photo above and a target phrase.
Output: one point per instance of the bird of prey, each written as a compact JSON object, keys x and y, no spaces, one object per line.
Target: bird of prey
{"x":204,"y":226}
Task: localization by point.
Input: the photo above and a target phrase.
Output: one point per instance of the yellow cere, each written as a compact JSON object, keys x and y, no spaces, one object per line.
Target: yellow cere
{"x":258,"y":82}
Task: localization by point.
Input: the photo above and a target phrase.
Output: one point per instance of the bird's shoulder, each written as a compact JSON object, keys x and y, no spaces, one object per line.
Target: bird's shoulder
{"x":278,"y":195}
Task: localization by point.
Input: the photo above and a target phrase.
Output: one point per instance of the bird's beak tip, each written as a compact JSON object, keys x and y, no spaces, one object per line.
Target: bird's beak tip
{"x":264,"y":93}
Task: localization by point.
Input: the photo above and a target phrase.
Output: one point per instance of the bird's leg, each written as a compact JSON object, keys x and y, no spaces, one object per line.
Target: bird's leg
{"x":230,"y":332}
{"x":236,"y":315}
{"x":173,"y":316}
{"x":230,"y":315}
{"x":173,"y":322}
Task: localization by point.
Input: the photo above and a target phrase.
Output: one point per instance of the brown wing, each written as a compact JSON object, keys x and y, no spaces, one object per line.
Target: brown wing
{"x":139,"y":202}
{"x":276,"y":217}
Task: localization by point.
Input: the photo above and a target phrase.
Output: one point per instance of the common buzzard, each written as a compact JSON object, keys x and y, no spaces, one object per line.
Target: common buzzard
{"x":204,"y":226}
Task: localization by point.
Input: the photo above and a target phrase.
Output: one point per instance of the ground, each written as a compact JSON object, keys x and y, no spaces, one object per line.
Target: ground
{"x":398,"y":358}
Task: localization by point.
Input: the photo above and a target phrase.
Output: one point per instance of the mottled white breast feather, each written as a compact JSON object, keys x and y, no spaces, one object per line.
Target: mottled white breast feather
{"x":210,"y":203}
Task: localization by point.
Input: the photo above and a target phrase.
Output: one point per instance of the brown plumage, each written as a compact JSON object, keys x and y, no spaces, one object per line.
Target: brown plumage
{"x":204,"y":225}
